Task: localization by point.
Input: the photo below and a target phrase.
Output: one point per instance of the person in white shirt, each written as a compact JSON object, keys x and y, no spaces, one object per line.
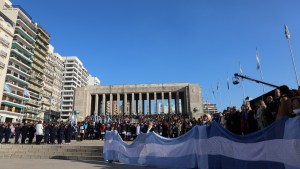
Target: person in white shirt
{"x":39,"y":132}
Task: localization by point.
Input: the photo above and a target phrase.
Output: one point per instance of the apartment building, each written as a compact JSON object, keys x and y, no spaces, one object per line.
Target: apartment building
{"x":19,"y":64}
{"x":6,"y":37}
{"x":93,"y":81}
{"x":75,"y":75}
{"x":55,"y":67}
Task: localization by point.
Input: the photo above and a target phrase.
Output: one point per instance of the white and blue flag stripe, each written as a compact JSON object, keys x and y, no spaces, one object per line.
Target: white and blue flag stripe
{"x":277,"y":146}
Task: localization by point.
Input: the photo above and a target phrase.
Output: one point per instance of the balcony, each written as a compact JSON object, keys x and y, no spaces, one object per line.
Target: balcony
{"x":16,"y":59}
{"x":12,"y":104}
{"x":25,"y":34}
{"x":17,"y":79}
{"x":28,"y":27}
{"x":38,"y":62}
{"x":38,"y":55}
{"x":34,"y":88}
{"x":2,"y":65}
{"x":33,"y":110}
{"x":3,"y":54}
{"x":19,"y":70}
{"x":21,"y":55}
{"x":33,"y":102}
{"x":22,"y":48}
{"x":31,"y":117}
{"x":41,"y":44}
{"x":4,"y":42}
{"x":15,"y":84}
{"x":47,"y":103}
{"x":38,"y":75}
{"x":48,"y":88}
{"x":23,"y":40}
{"x":14,"y":94}
{"x":36,"y":82}
{"x":41,"y":51}
{"x":8,"y":31}
{"x":35,"y":67}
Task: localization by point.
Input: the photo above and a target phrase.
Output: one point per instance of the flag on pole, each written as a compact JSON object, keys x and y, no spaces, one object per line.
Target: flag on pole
{"x":7,"y":88}
{"x":40,"y":97}
{"x":213,"y":92}
{"x":26,"y":93}
{"x":218,"y":86}
{"x":50,"y":100}
{"x":228,"y":87}
{"x":287,"y":32}
{"x":72,"y":120}
{"x":241,"y":70}
{"x":258,"y":60}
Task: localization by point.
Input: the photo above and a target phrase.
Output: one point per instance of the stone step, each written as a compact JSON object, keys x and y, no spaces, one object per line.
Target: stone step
{"x":53,"y":154}
{"x":69,"y":157}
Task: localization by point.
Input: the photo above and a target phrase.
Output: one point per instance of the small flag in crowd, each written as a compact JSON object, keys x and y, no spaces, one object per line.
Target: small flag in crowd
{"x":258,"y":60}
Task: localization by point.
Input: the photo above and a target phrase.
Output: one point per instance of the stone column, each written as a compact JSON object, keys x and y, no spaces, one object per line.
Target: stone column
{"x":132,"y":104}
{"x":177,"y":103}
{"x":162,"y":103}
{"x":110,"y":103}
{"x":155,"y":103}
{"x":118,"y":103}
{"x":148,"y":104}
{"x":170,"y":102}
{"x":96,"y":104}
{"x":125,"y":103}
{"x":89,"y":106}
{"x":187,"y":100}
{"x":103,"y":104}
{"x":140,"y":103}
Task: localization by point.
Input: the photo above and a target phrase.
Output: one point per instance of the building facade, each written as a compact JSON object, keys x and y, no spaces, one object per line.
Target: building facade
{"x":93,"y":81}
{"x":210,"y":108}
{"x":6,"y":37}
{"x":75,"y":75}
{"x":19,"y":65}
{"x":57,"y":63}
{"x":139,"y":99}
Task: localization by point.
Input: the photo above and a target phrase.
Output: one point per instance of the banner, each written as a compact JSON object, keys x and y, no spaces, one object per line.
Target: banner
{"x":277,"y":146}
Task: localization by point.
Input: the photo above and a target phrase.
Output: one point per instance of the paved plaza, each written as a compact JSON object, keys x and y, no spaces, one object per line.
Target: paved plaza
{"x":21,"y":163}
{"x":61,"y":164}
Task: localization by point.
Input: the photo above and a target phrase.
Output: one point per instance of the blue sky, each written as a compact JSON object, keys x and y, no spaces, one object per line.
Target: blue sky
{"x":167,"y":41}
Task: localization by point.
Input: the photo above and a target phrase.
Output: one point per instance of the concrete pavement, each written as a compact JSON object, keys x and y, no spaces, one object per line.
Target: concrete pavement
{"x":62,"y":164}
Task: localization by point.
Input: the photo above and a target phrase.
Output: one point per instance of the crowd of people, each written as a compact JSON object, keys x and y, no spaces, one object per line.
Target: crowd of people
{"x":246,"y":120}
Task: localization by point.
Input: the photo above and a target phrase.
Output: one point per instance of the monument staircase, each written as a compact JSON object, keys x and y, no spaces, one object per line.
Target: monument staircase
{"x":86,"y":150}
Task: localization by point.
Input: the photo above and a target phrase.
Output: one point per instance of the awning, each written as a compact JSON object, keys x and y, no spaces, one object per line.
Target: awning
{"x":12,"y":104}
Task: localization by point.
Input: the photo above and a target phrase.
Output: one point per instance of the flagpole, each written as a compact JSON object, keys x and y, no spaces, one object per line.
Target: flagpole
{"x":241,"y":71}
{"x":259,"y":67}
{"x":229,"y":90}
{"x":288,"y":36}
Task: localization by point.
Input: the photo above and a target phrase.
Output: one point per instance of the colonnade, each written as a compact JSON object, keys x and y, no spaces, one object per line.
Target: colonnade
{"x":138,"y":103}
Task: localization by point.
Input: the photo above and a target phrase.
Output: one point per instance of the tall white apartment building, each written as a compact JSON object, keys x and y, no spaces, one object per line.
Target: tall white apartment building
{"x":20,"y":63}
{"x":6,"y":37}
{"x":93,"y":81}
{"x":75,"y":75}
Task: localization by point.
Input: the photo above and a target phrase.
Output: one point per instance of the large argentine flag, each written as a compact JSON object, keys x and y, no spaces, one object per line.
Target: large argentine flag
{"x":276,"y":147}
